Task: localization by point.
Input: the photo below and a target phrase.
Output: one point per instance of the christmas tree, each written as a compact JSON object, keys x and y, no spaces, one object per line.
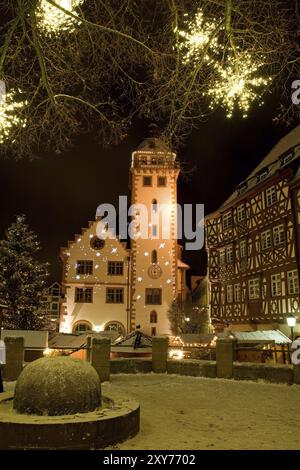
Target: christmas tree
{"x":22,"y":278}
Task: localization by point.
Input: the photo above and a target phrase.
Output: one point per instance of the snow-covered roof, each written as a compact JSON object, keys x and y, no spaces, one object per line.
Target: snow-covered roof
{"x":192,"y":338}
{"x":286,"y":150}
{"x":261,"y":336}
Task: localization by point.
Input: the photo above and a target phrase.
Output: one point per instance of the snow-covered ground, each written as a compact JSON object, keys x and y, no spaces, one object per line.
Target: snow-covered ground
{"x":197,"y":413}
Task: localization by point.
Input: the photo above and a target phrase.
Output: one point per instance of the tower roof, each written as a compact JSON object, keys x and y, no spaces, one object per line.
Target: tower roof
{"x":154,"y":144}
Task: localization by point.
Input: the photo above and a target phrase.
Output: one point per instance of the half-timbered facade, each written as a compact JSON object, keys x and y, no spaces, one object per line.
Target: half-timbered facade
{"x":253,"y":243}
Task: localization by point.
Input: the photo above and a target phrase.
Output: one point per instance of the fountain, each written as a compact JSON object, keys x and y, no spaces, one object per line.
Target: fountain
{"x":57,"y":404}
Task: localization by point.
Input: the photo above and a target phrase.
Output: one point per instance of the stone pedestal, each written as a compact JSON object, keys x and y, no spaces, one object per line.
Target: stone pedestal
{"x":225,"y":355}
{"x":14,"y":357}
{"x":296,"y":369}
{"x":159,"y":354}
{"x":100,"y":357}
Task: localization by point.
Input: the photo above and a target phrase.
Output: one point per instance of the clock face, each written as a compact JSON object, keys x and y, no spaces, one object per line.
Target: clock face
{"x":154,"y":271}
{"x":97,"y":243}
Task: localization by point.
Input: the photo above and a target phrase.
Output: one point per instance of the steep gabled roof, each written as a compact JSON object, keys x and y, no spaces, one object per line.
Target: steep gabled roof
{"x":286,"y":150}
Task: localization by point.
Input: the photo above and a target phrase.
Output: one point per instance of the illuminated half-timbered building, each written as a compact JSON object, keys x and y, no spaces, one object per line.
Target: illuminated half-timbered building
{"x":253,"y":244}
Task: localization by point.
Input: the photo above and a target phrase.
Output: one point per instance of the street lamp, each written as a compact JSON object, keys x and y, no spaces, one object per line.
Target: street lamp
{"x":291,"y":321}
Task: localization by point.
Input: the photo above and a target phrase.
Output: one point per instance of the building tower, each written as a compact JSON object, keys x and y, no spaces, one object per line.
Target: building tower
{"x":154,"y":271}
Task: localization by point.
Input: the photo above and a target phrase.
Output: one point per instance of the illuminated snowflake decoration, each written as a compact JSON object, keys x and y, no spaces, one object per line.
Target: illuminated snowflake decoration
{"x":237,"y":82}
{"x":11,"y":118}
{"x":53,"y":21}
{"x":238,"y":85}
{"x":200,"y":37}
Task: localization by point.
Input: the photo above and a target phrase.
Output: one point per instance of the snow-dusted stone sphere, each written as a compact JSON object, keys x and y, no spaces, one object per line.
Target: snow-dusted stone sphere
{"x":57,"y":386}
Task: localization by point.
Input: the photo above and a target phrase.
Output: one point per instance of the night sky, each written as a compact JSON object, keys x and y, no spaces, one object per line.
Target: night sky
{"x":60,"y":193}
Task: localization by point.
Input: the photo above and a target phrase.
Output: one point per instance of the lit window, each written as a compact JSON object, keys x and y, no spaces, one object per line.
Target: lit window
{"x":153,"y":296}
{"x":254,"y":288}
{"x":271,"y":196}
{"x":84,"y":295}
{"x":161,"y":181}
{"x":229,"y":293}
{"x":278,"y":235}
{"x":222,"y":256}
{"x":84,"y":267}
{"x":266,"y":240}
{"x":115,"y":268}
{"x":241,"y":213}
{"x":293,"y":282}
{"x":82,"y":328}
{"x":229,"y":254}
{"x":147,"y":180}
{"x":243,"y":249}
{"x":153,"y":317}
{"x":227,"y":220}
{"x":237,"y":292}
{"x":275,"y":285}
{"x":114,"y":295}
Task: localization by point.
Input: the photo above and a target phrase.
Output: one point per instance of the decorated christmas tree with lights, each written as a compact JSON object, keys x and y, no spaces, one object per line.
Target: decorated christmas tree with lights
{"x":22,"y":277}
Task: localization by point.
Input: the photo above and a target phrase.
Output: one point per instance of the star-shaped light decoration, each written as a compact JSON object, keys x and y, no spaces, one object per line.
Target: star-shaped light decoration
{"x":239,"y":84}
{"x":53,"y":21}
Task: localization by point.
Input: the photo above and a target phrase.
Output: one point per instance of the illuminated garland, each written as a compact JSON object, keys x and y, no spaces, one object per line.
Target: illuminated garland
{"x":11,"y":114}
{"x":53,"y":21}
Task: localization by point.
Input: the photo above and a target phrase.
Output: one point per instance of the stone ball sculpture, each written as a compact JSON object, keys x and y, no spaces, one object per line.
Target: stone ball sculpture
{"x":54,"y":386}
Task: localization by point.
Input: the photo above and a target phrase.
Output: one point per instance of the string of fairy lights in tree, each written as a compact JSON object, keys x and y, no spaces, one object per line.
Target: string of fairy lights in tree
{"x":53,"y":21}
{"x":236,"y":75}
{"x":11,"y":114}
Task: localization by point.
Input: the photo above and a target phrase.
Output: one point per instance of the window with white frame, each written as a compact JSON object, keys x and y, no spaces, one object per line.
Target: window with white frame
{"x":241,"y":212}
{"x":254,"y":288}
{"x":271,"y":196}
{"x":293,"y":282}
{"x":222,"y":256}
{"x":237,"y":292}
{"x":227,"y":220}
{"x":243,"y":249}
{"x":275,"y":285}
{"x":278,"y":235}
{"x":266,"y":240}
{"x":229,"y":254}
{"x":229,"y":293}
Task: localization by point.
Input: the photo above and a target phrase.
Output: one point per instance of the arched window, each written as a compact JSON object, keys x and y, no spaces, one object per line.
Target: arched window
{"x":153,"y":317}
{"x":154,"y":256}
{"x":154,"y":205}
{"x":115,"y":326}
{"x":82,"y":327}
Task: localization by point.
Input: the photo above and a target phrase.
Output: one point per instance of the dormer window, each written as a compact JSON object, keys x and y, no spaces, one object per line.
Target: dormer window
{"x":227,"y":220}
